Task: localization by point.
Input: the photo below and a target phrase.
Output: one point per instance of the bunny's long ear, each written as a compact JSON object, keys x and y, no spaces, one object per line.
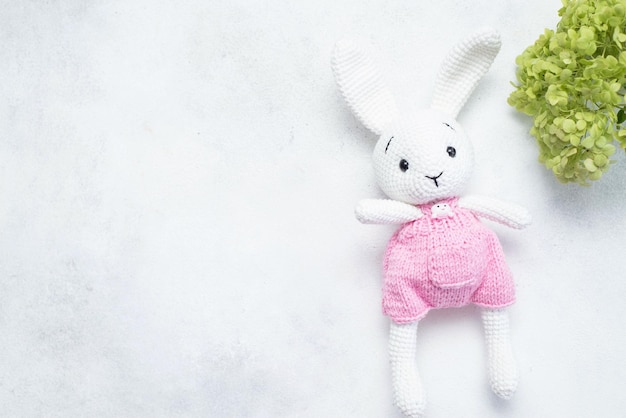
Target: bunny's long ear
{"x":463,"y":68}
{"x":361,"y":84}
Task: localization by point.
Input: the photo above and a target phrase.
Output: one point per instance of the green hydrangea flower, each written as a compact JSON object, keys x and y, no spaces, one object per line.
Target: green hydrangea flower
{"x":572,"y":81}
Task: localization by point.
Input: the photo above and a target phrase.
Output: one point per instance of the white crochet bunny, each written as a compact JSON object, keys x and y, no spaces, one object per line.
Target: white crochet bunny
{"x":442,"y":256}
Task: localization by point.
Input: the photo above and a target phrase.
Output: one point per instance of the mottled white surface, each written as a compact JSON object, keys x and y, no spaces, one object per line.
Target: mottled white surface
{"x":177,"y":184}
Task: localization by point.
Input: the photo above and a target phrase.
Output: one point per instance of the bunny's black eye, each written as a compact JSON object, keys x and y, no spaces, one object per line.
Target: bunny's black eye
{"x":451,"y":152}
{"x":404,"y":165}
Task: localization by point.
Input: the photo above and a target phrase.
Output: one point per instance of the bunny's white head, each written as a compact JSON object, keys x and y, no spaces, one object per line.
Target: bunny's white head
{"x":426,"y":156}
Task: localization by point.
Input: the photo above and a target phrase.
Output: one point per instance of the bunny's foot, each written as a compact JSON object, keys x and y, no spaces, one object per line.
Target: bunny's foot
{"x":407,"y":388}
{"x":501,"y":363}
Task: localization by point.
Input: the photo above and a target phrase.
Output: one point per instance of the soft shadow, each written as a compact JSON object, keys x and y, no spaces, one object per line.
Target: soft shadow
{"x":438,"y":319}
{"x":501,"y":406}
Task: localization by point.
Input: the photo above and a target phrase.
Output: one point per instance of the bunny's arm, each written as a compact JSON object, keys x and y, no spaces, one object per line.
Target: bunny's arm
{"x":385,"y":211}
{"x":508,"y":214}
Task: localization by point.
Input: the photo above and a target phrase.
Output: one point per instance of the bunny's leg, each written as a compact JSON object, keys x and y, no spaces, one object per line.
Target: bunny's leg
{"x":501,"y":363}
{"x":407,"y":388}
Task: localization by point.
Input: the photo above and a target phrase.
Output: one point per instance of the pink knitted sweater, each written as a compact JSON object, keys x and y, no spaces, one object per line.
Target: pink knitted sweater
{"x":446,"y":258}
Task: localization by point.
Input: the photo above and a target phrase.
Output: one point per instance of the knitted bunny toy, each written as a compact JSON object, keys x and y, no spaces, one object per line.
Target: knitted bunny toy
{"x":442,"y":256}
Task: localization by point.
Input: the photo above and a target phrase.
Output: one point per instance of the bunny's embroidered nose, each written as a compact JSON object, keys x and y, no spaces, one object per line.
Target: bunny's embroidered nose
{"x":435,"y":178}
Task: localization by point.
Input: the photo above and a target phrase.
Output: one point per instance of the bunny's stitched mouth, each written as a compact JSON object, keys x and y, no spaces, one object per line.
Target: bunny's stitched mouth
{"x":435,"y":178}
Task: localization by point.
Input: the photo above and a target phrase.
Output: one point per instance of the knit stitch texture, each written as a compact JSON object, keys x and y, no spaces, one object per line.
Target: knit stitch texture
{"x":408,"y":394}
{"x":446,"y":258}
{"x":442,"y":255}
{"x":503,"y":374}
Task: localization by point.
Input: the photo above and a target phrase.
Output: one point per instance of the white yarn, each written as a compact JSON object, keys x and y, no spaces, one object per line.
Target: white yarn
{"x":508,"y":214}
{"x":422,"y":140}
{"x":385,"y":211}
{"x":462,"y":70}
{"x":408,"y":394}
{"x":503,"y":375}
{"x":407,"y":388}
{"x":361,"y":84}
{"x":424,"y":159}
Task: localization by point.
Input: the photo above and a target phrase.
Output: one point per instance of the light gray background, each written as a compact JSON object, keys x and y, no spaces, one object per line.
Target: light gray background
{"x":177,"y":184}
